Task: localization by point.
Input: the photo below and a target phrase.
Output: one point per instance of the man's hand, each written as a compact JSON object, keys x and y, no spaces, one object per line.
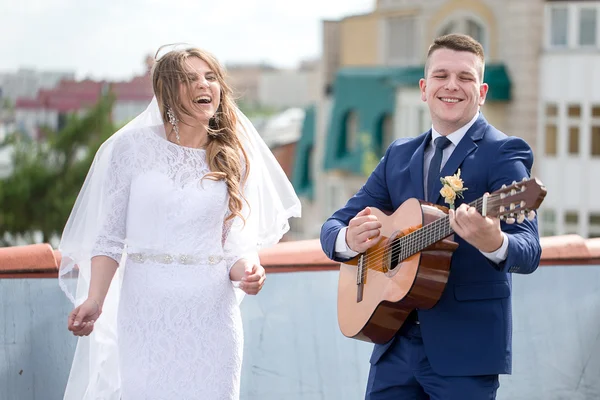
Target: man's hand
{"x":363,"y":231}
{"x":481,"y":232}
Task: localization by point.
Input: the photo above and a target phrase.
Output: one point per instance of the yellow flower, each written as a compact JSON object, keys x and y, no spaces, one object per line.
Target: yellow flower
{"x":453,"y":188}
{"x":455,"y":182}
{"x":448,"y":193}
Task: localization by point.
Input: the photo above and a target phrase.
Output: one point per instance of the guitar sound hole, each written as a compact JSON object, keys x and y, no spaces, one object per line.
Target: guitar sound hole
{"x":394,"y":254}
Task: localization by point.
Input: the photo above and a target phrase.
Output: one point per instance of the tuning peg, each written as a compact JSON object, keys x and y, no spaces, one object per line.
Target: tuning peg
{"x":523,"y":204}
{"x":531,"y":215}
{"x":503,"y":186}
{"x":521,"y":217}
{"x":514,"y":182}
{"x":510,"y":221}
{"x":524,"y":179}
{"x":502,"y":209}
{"x":513,"y":192}
{"x":501,"y":218}
{"x":512,"y":206}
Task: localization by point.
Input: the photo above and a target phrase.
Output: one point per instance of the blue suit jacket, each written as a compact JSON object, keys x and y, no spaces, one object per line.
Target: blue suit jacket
{"x":469,"y":331}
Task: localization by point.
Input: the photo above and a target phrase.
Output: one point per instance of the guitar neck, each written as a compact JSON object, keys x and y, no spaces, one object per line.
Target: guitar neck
{"x":419,"y":240}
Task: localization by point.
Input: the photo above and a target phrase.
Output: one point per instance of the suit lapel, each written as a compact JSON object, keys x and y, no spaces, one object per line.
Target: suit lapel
{"x":416,"y":166}
{"x":466,"y":146}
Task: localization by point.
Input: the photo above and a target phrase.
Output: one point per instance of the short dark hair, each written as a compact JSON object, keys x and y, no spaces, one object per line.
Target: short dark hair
{"x":457,"y":42}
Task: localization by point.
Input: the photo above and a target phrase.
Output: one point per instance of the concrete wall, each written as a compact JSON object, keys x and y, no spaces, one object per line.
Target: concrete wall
{"x":294,"y":349}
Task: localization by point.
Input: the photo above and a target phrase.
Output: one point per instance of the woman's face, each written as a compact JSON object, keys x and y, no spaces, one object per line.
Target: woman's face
{"x":203,"y":95}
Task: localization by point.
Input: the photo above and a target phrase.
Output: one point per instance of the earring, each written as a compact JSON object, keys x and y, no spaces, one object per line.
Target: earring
{"x":173,"y":121}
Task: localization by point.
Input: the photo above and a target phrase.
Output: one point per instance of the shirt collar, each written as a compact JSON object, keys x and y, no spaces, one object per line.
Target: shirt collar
{"x":456,"y":136}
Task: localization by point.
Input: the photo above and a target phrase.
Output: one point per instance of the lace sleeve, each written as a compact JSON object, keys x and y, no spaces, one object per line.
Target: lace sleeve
{"x":228,"y":252}
{"x":239,"y":238}
{"x":226,"y":228}
{"x":238,"y":243}
{"x":110,"y":240}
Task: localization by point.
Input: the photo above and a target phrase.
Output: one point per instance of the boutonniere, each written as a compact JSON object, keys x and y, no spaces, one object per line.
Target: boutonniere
{"x":453,"y":188}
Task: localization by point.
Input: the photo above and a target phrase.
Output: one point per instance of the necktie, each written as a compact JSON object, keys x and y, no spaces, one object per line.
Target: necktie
{"x":435,"y":166}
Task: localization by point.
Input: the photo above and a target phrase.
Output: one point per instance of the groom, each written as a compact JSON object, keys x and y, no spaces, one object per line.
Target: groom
{"x":457,"y":349}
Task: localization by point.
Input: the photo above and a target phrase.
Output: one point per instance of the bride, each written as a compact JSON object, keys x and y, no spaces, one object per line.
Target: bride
{"x":164,"y":235}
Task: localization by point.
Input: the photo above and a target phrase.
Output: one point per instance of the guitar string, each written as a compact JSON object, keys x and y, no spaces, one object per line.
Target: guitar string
{"x":405,"y":246}
{"x":416,"y":237}
{"x":408,"y":245}
{"x":407,"y":242}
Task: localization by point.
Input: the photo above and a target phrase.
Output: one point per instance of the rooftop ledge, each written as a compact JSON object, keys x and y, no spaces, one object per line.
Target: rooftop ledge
{"x":41,"y":261}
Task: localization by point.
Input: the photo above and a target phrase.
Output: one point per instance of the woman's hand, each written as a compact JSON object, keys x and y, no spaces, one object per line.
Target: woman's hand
{"x":82,"y":318}
{"x":251,"y":275}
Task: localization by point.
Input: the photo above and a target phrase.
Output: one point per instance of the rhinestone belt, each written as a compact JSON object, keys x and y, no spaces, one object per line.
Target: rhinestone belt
{"x":183,"y":259}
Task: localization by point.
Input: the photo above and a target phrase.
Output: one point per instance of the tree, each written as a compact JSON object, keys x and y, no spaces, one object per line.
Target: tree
{"x":6,"y":103}
{"x":47,"y":175}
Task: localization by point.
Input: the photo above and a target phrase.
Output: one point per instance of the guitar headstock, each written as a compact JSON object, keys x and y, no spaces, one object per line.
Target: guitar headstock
{"x":515,"y":202}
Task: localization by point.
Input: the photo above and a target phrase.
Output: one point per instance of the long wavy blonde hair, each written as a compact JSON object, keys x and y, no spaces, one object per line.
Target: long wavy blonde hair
{"x":226,"y":157}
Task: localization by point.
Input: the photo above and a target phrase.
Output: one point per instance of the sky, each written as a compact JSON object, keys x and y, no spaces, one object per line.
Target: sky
{"x":109,"y":39}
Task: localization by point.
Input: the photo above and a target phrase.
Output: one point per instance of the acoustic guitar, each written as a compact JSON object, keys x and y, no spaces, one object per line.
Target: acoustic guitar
{"x":409,"y":267}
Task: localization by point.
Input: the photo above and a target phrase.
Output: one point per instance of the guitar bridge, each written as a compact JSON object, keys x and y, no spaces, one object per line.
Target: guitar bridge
{"x":360,"y":278}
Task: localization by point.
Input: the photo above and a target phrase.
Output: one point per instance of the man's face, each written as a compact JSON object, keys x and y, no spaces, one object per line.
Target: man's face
{"x":453,"y":89}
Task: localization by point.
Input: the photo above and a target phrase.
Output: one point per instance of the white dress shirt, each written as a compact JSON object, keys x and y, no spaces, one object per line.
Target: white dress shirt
{"x":341,"y":247}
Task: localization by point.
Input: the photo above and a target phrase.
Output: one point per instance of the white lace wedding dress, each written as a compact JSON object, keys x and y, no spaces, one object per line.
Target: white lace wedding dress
{"x":179,"y":326}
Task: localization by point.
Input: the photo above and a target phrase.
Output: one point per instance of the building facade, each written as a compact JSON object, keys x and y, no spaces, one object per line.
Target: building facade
{"x":25,"y":83}
{"x":540,"y":58}
{"x":51,"y":107}
{"x":569,"y":117}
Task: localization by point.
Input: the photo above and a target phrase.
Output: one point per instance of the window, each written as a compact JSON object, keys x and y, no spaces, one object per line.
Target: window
{"x":551,"y":129}
{"x":548,"y":216}
{"x":468,"y":26}
{"x":573,"y":140}
{"x":351,"y":131}
{"x":548,"y":222}
{"x":386,"y":132}
{"x":571,"y":222}
{"x":401,"y":41}
{"x":595,"y":131}
{"x":573,"y":25}
{"x":571,"y":217}
{"x":559,"y":17}
{"x":551,"y":139}
{"x":595,"y":148}
{"x":306,"y":181}
{"x":475,"y":30}
{"x":595,"y":219}
{"x":573,"y":129}
{"x":574,"y":111}
{"x":587,"y":27}
{"x":594,"y":226}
